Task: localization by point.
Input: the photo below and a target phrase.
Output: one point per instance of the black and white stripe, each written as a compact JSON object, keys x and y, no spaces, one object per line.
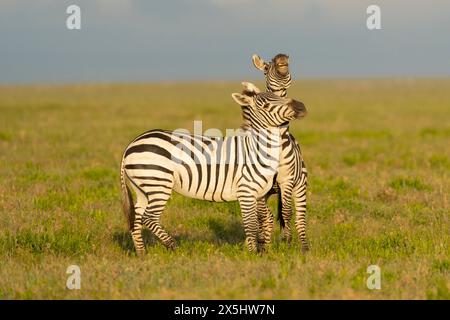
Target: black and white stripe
{"x":241,"y":167}
{"x":278,"y":77}
{"x":278,"y":80}
{"x":276,"y":83}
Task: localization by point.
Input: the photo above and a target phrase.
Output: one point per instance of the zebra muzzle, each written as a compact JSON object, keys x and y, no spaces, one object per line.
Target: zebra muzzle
{"x":299,"y":109}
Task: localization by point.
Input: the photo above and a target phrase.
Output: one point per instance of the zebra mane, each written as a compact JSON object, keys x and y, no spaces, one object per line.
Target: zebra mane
{"x":250,"y":90}
{"x":246,"y":124}
{"x":249,"y":93}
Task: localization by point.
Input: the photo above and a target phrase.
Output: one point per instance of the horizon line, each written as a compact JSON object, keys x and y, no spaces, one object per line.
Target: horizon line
{"x":213,"y":80}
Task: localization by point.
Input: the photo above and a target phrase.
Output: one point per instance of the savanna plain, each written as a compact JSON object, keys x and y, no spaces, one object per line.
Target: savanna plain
{"x":377,"y":153}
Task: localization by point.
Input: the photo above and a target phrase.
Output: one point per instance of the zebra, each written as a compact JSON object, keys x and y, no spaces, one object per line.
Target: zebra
{"x":278,"y":77}
{"x":278,"y":80}
{"x":292,"y":183}
{"x":240,"y":167}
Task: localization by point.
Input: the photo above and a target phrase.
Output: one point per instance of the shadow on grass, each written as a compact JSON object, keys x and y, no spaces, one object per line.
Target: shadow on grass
{"x":222,"y":233}
{"x":230,"y":233}
{"x":125,"y":242}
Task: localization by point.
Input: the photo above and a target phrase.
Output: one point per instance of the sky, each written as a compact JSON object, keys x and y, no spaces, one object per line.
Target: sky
{"x":182,"y":40}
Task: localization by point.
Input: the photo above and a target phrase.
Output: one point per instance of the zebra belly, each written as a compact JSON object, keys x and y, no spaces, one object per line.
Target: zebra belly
{"x":227,"y":195}
{"x":208,"y":188}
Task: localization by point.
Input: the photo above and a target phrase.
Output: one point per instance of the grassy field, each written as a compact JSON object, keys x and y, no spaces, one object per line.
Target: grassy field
{"x":378,"y":157}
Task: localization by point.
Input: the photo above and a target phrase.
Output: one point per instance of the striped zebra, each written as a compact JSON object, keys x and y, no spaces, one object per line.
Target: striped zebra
{"x":278,"y":77}
{"x":291,"y":181}
{"x":241,"y":167}
{"x":278,"y":80}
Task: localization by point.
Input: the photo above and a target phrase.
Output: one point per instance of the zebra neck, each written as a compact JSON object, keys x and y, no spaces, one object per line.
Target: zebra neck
{"x":277,"y":83}
{"x":284,"y":129}
{"x":265,"y":131}
{"x":287,"y":138}
{"x":265,"y":139}
{"x":265,"y":148}
{"x":271,"y":133}
{"x":279,"y":92}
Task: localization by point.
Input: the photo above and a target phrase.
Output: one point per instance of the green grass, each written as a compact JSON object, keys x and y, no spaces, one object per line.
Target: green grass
{"x":377,"y":153}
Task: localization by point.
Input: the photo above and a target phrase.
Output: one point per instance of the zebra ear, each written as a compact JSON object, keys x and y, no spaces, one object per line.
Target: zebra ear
{"x":259,"y":63}
{"x":241,"y":99}
{"x":250,"y":87}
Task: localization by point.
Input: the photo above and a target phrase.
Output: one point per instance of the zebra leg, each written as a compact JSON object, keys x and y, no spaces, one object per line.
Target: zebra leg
{"x":286,"y":212}
{"x":300,"y":207}
{"x":268,"y":225}
{"x":260,"y":210}
{"x":151,"y":219}
{"x":265,"y":220}
{"x":136,"y":232}
{"x":250,"y":219}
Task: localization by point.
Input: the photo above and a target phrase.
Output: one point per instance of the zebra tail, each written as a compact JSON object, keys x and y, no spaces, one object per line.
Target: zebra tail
{"x":127,"y":199}
{"x":280,"y":210}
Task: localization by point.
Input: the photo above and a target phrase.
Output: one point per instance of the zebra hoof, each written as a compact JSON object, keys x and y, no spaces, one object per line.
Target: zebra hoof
{"x":262,"y":250}
{"x":171,"y":245}
{"x":305,"y":248}
{"x":140,"y":253}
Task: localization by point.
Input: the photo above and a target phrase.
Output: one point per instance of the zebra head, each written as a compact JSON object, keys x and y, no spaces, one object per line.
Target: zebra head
{"x":278,"y":78}
{"x":264,"y":110}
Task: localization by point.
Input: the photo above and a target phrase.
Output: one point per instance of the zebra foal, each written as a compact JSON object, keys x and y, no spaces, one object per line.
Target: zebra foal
{"x":240,"y":167}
